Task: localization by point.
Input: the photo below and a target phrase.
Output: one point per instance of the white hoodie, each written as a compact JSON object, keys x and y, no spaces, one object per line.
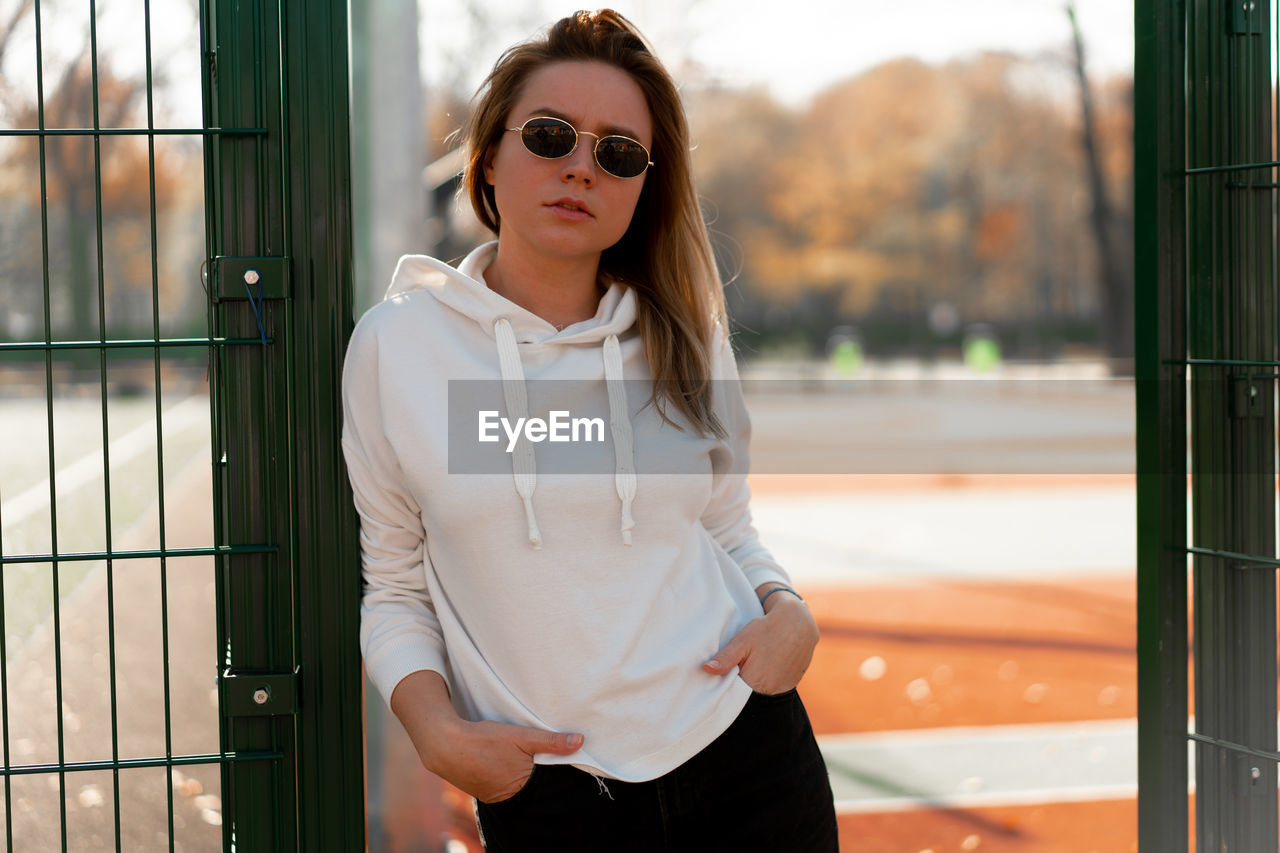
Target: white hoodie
{"x":563,"y":601}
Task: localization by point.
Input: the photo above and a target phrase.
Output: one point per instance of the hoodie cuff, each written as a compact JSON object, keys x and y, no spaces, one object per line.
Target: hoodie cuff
{"x":388,"y":669}
{"x":757,"y":575}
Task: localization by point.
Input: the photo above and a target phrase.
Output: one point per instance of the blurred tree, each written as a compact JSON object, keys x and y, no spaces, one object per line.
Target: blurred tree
{"x":9,"y":24}
{"x":908,"y":187}
{"x":736,"y":136}
{"x":1116,"y":279}
{"x":907,"y":192}
{"x":73,"y":175}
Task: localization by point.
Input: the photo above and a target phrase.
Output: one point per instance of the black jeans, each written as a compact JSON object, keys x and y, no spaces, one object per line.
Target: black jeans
{"x":762,"y":785}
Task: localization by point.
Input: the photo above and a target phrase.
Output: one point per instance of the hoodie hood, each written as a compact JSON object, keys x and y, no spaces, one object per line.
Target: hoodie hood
{"x":465,"y":291}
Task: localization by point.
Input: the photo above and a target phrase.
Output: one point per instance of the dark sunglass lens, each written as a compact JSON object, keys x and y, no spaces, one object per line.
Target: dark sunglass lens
{"x":549,"y":137}
{"x":623,"y":157}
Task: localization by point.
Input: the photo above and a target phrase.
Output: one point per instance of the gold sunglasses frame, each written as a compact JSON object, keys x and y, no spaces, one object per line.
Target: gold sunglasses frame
{"x":595,"y":155}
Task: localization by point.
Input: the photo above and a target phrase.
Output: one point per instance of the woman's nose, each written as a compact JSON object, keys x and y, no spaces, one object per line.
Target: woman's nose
{"x":581,"y":164}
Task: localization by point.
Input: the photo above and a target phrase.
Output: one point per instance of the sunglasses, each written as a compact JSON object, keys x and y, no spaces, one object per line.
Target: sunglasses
{"x":553,"y":138}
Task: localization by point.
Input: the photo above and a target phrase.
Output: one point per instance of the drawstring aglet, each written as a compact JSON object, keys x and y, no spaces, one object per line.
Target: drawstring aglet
{"x":535,"y":535}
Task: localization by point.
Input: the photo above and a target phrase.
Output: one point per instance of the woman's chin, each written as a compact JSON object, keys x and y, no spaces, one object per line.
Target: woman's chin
{"x":567,"y":246}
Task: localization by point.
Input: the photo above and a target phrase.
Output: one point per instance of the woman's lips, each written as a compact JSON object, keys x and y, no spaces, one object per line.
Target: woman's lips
{"x":570,"y":210}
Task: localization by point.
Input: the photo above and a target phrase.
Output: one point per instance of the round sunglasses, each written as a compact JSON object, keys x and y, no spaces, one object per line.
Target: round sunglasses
{"x":553,"y":138}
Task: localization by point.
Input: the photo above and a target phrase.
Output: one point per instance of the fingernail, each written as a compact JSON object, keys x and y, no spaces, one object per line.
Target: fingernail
{"x":714,"y":664}
{"x":573,"y":740}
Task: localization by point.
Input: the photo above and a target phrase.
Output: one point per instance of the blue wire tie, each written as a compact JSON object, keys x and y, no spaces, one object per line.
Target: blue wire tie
{"x":256,"y":305}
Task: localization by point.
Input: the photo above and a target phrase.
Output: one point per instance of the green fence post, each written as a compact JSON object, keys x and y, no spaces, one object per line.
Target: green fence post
{"x":1231,"y":322}
{"x":327,"y":603}
{"x":1160,"y":348}
{"x":246,"y":218}
{"x":1207,"y":310}
{"x":280,"y":234}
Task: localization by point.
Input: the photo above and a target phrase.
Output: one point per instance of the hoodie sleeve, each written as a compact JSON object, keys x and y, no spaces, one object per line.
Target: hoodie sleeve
{"x":399,"y":630}
{"x":728,"y":515}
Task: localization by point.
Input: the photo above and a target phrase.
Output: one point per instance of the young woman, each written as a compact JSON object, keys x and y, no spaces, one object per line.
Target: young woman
{"x":606,"y":661}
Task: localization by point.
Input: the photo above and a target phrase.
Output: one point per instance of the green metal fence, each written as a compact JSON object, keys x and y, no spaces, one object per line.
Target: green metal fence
{"x":190,"y":678}
{"x":1207,"y":365}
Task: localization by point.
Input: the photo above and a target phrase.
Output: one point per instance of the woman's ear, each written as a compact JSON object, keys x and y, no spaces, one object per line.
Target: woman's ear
{"x":489,"y":157}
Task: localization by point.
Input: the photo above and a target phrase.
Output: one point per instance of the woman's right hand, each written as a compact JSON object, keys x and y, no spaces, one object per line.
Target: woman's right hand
{"x":493,"y":761}
{"x":490,"y":761}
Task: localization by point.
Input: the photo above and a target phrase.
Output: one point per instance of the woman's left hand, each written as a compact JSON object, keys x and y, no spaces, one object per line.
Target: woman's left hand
{"x":772,"y":651}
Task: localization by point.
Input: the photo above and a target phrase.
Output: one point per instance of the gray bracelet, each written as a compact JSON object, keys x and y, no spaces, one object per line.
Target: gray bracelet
{"x":765,"y":597}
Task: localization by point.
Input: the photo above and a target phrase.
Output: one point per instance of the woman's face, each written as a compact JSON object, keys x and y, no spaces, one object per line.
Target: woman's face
{"x":569,"y":208}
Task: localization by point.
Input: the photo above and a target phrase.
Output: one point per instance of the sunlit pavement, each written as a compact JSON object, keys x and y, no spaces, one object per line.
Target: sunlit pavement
{"x":894,"y":537}
{"x":977,"y":656}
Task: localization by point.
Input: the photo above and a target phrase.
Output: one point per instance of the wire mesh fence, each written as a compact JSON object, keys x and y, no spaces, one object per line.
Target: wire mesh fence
{"x":109,"y":717}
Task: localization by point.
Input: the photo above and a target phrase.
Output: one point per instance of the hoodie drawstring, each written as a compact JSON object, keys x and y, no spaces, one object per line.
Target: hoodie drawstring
{"x":517,"y":401}
{"x":624,"y":477}
{"x":524,"y":468}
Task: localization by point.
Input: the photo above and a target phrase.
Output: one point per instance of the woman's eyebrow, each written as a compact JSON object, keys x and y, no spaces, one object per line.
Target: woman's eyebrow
{"x":606,"y":130}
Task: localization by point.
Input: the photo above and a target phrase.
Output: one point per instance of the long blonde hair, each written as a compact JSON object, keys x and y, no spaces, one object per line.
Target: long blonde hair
{"x":665,"y":254}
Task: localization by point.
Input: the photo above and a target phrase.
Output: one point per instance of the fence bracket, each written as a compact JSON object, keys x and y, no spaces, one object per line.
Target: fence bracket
{"x":1246,"y":397}
{"x":1246,"y":18}
{"x":258,"y":694}
{"x":250,"y":278}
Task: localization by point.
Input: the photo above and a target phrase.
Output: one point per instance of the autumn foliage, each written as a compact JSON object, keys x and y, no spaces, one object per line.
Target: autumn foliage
{"x":911,"y":186}
{"x":90,"y":209}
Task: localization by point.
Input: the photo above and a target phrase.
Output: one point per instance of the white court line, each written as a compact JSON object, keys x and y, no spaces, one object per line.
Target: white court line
{"x":88,"y":468}
{"x":1019,"y":765}
{"x":864,"y":538}
{"x":990,"y":799}
{"x":967,"y":767}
